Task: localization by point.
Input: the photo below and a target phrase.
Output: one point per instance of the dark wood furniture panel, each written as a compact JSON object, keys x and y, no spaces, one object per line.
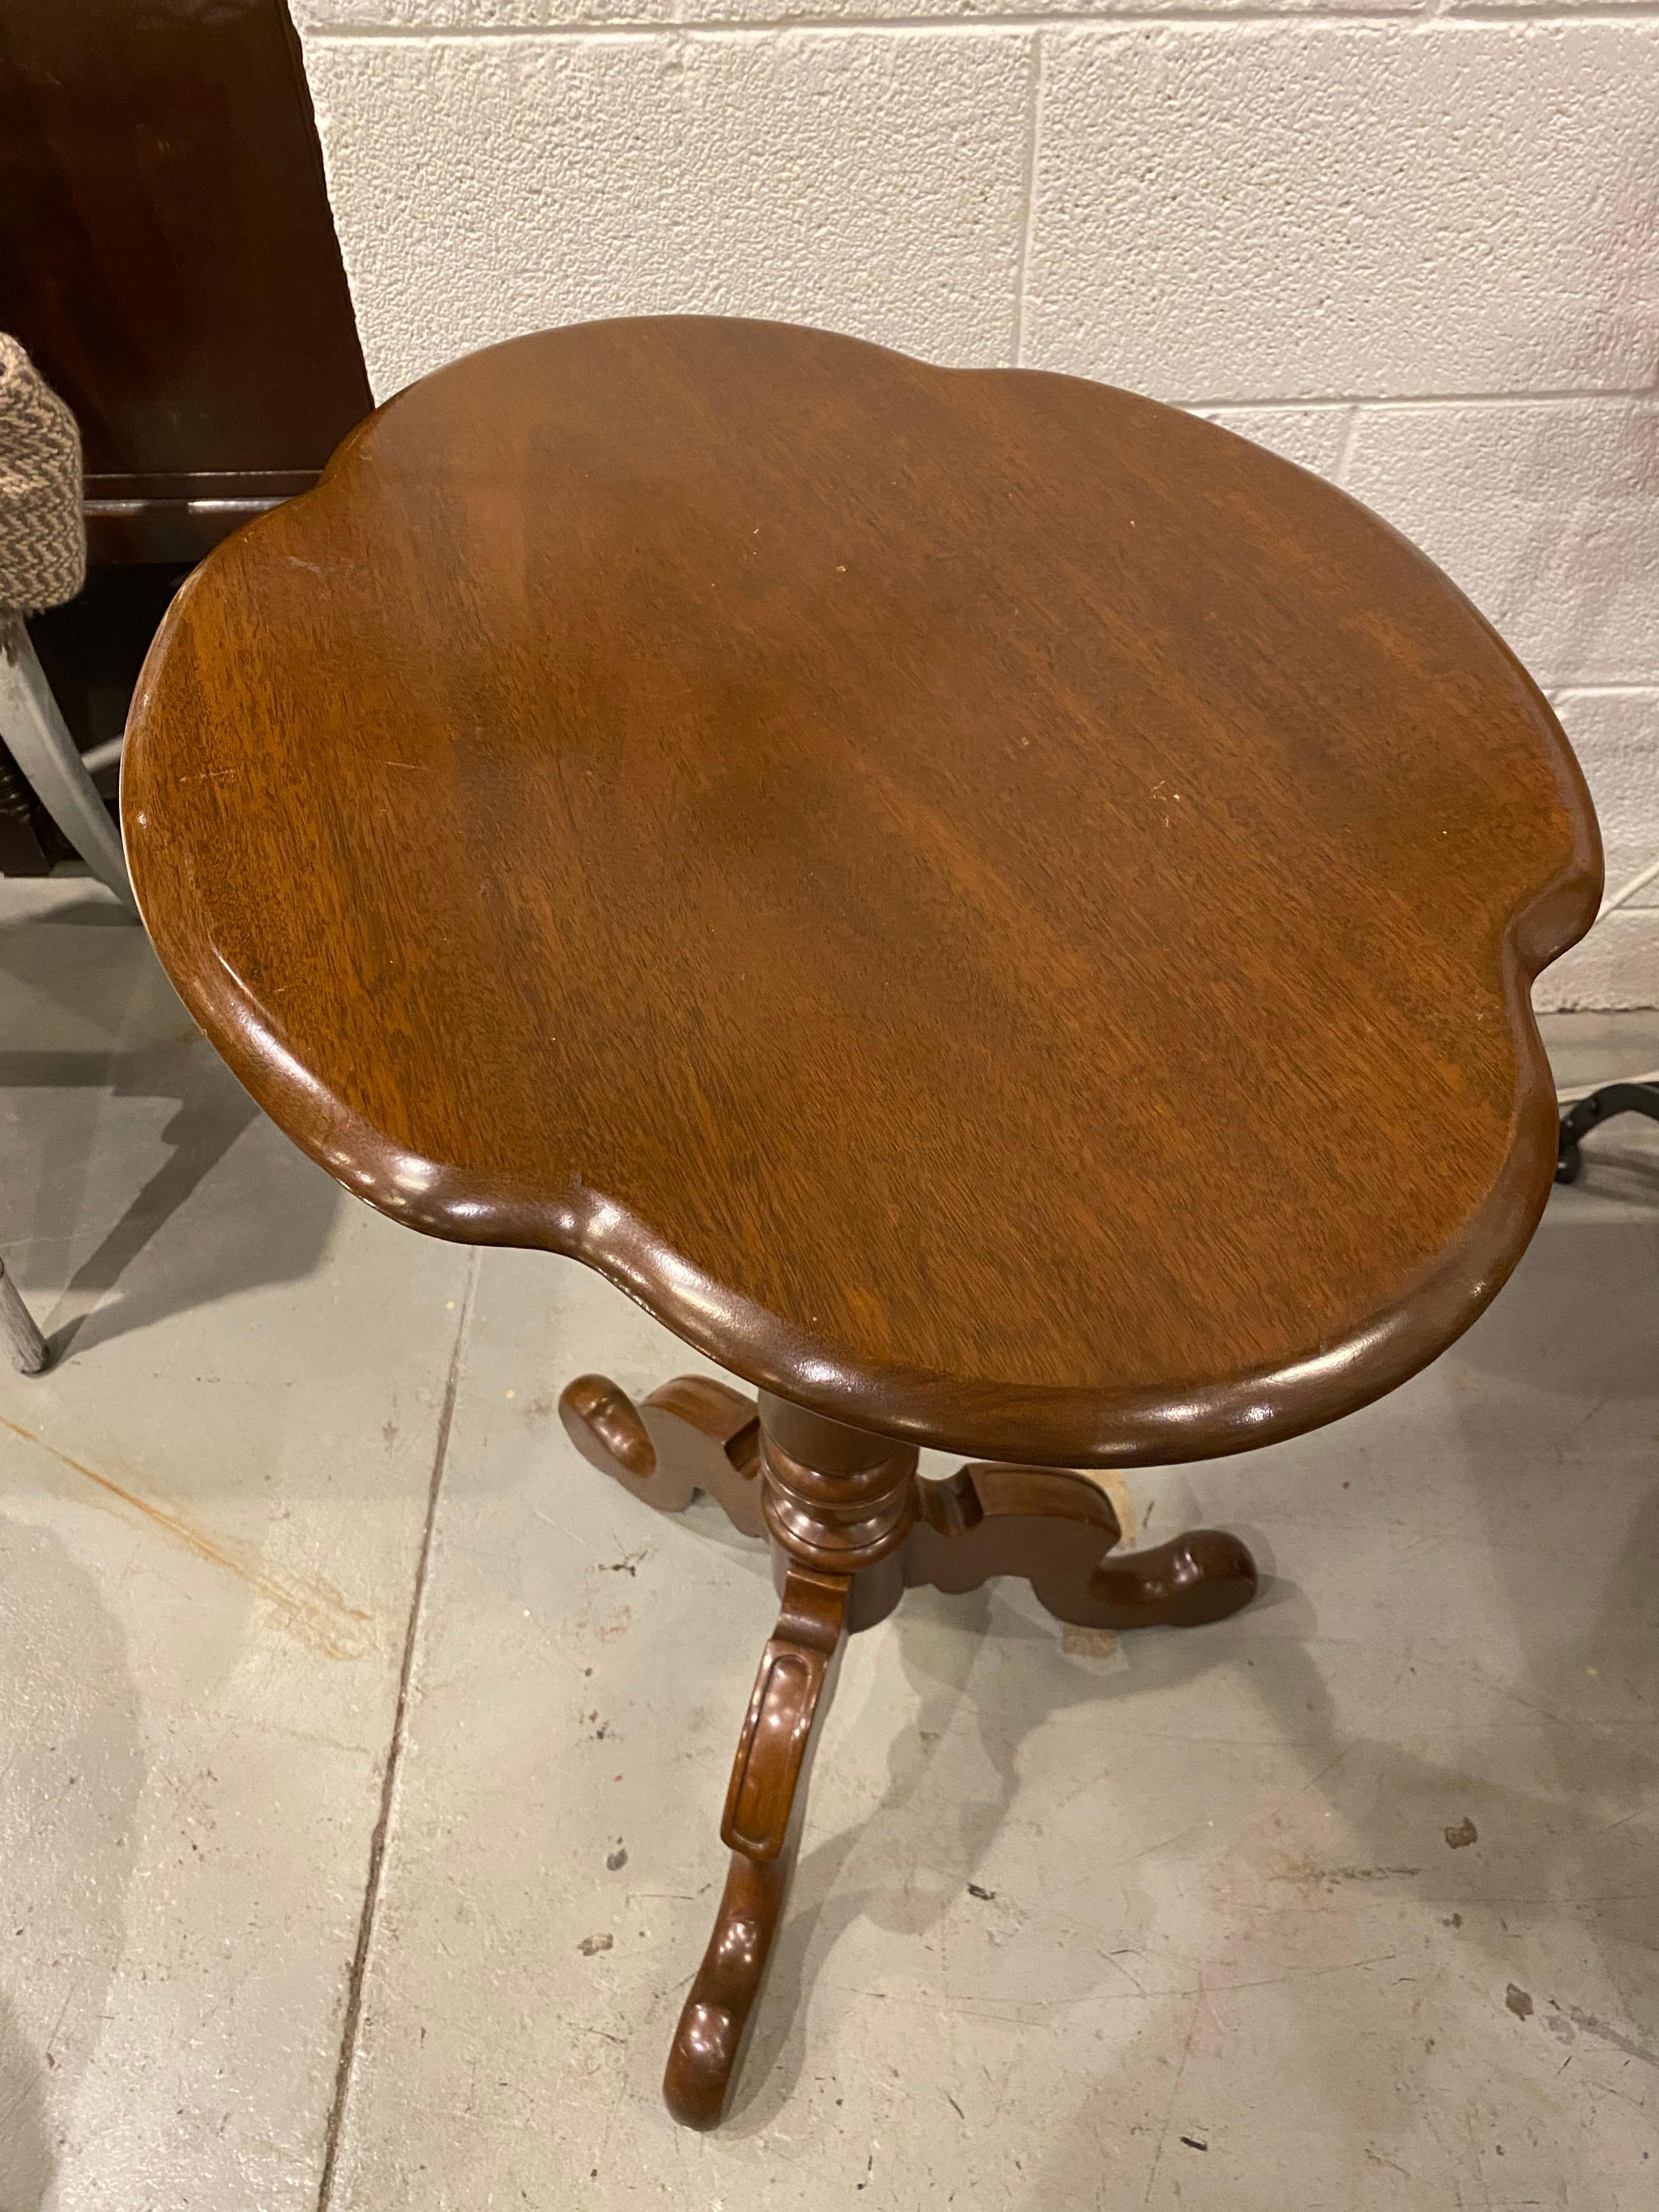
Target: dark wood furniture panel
{"x":170,"y":260}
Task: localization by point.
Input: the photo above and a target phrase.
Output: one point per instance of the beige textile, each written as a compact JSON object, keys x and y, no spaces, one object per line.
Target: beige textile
{"x":43,"y":539}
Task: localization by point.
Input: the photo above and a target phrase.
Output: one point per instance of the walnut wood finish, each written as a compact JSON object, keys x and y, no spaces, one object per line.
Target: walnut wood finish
{"x":839,"y":1506}
{"x":1049,"y":1527}
{"x":832,"y":1496}
{"x":1055,"y":1529}
{"x":959,"y":890}
{"x":765,"y":1802}
{"x":852,"y":1527}
{"x":692,"y":1434}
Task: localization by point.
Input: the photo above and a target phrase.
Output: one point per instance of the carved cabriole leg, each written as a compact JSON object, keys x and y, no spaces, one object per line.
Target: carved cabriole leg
{"x":1056,"y":1530}
{"x":765,"y":1804}
{"x":692,"y":1434}
{"x":839,"y":1506}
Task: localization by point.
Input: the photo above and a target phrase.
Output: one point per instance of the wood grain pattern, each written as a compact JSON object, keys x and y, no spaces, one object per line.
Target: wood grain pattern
{"x":960,"y":890}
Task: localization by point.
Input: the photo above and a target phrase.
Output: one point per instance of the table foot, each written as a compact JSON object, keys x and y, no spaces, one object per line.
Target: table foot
{"x":851,"y":1527}
{"x":1056,"y":1530}
{"x":692,"y":1434}
{"x":764,"y":1805}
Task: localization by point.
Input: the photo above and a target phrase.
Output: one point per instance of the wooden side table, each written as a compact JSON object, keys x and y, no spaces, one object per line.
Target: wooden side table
{"x":957,"y":891}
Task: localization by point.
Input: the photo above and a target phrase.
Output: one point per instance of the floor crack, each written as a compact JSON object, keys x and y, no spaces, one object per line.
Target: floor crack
{"x":394,"y":1758}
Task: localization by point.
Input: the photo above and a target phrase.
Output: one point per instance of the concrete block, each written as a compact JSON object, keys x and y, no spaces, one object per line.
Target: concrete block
{"x":1545,"y":514}
{"x":871,"y":183}
{"x":534,"y":15}
{"x":1616,"y":965}
{"x":1616,"y":735}
{"x":1312,"y":437}
{"x":1475,"y":10}
{"x":1258,"y":211}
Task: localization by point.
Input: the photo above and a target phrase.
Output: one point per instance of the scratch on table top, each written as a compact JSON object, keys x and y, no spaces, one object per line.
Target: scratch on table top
{"x":310,"y":1608}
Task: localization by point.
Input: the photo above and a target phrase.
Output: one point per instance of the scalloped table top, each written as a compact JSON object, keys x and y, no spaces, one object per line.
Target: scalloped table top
{"x":997,"y":909}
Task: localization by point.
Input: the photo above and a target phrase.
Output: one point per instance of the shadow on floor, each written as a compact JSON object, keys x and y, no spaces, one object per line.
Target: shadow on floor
{"x":1569,"y":1489}
{"x":82,"y":974}
{"x":1550,"y":1427}
{"x":1551,"y":1420}
{"x":26,"y":2164}
{"x":938,"y":1640}
{"x":72,"y":1773}
{"x":264,"y":1224}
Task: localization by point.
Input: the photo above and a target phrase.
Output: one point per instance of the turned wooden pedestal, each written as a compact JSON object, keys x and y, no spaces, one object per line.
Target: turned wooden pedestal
{"x":852,"y":1527}
{"x":960,"y":892}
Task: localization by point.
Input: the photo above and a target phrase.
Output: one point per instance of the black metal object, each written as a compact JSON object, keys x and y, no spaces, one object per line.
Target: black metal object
{"x":1583,"y":1115}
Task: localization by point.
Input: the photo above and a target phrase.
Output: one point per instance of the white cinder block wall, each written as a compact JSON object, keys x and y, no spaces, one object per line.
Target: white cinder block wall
{"x":1415,"y":248}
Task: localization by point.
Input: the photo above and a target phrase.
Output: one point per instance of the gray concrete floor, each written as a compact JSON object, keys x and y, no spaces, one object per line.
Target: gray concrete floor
{"x":343,"y":1705}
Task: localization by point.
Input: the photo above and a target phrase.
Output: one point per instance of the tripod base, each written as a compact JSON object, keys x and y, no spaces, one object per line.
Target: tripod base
{"x":852,"y":1527}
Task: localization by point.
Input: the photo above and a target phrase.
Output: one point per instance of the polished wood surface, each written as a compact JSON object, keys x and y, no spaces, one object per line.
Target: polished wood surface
{"x":852,"y":1528}
{"x":169,"y":259}
{"x":765,"y":1806}
{"x":1055,"y":1529}
{"x":692,"y":1434}
{"x":960,"y":890}
{"x":1052,"y":1528}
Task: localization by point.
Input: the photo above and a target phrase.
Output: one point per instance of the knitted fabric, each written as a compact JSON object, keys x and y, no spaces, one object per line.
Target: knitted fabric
{"x":43,"y":537}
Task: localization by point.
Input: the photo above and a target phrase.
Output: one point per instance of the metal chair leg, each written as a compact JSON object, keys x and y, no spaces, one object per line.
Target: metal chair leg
{"x":38,"y":740}
{"x":1583,"y":1115}
{"x":23,"y":1340}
